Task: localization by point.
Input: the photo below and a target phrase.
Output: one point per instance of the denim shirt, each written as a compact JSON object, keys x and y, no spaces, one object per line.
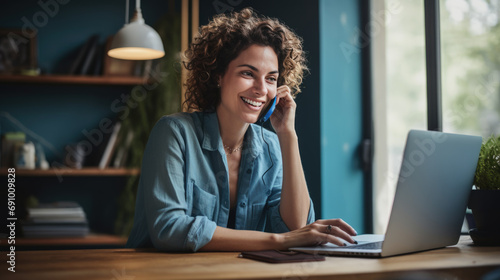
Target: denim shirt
{"x":183,"y":192}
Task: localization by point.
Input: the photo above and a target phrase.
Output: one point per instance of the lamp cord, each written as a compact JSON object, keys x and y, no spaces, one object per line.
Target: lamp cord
{"x":126,"y":12}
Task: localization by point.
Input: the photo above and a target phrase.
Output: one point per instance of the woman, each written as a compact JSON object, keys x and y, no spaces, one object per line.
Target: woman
{"x":213,"y":180}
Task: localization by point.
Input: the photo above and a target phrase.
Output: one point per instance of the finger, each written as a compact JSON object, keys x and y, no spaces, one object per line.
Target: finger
{"x":329,"y":233}
{"x":338,"y":232}
{"x":339,"y":223}
{"x":283,"y":88}
{"x":284,"y":92}
{"x":332,"y":239}
{"x":346,"y":227}
{"x":338,"y":228}
{"x":285,"y":102}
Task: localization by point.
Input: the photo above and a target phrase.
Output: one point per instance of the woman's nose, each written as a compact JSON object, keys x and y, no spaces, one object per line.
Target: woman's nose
{"x":260,"y":87}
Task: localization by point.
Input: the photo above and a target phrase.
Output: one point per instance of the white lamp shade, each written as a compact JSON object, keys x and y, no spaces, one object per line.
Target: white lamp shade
{"x":136,"y":41}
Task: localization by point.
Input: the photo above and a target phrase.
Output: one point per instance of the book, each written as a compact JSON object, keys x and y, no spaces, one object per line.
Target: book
{"x":56,"y":210}
{"x":122,"y":152}
{"x":11,"y":142}
{"x":110,"y":146}
{"x":95,"y":158}
{"x":98,"y":59}
{"x":58,"y":219}
{"x":89,"y":56}
{"x":55,"y":230}
{"x":76,"y":66}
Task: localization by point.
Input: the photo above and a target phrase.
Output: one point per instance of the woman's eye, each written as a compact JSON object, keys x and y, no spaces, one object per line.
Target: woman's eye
{"x":247,"y":73}
{"x":272,"y":79}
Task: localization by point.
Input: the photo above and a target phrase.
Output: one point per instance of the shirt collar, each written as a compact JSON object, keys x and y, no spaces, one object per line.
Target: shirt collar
{"x":211,"y":134}
{"x":253,"y":136}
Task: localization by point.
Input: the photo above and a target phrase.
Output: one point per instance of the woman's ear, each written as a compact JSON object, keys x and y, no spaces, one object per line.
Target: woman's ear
{"x":219,"y":79}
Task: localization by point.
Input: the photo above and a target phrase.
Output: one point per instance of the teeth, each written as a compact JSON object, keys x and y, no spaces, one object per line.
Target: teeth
{"x":253,"y":103}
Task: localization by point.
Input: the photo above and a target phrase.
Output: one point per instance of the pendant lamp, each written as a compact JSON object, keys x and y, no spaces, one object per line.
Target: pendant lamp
{"x":136,"y":40}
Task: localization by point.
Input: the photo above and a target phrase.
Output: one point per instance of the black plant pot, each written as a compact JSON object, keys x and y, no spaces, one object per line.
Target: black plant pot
{"x":485,"y":206}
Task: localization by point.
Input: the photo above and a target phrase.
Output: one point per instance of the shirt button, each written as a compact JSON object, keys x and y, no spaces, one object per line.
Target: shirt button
{"x":268,"y":192}
{"x":243,"y":204}
{"x":249,"y":171}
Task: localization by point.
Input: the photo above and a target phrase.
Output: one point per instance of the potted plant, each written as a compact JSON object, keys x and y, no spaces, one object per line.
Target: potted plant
{"x":484,"y":200}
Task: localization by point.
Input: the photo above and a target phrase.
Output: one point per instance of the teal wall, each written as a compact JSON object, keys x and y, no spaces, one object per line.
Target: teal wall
{"x":59,"y":113}
{"x":341,"y":116}
{"x":64,"y":25}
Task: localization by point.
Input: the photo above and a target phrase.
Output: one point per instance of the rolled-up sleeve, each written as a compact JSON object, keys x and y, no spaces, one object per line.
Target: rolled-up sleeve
{"x":163,"y":186}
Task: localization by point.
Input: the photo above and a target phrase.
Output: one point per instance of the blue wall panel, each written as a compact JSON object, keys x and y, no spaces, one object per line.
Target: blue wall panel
{"x":340,"y":107}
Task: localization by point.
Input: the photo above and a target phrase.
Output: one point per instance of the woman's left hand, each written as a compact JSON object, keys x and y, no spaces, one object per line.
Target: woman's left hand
{"x":283,"y":117}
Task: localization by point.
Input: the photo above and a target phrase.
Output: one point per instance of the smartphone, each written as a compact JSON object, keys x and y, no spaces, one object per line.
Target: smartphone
{"x":265,"y":114}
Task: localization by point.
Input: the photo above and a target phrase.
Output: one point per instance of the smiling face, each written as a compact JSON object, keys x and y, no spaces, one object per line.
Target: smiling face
{"x":249,"y":82}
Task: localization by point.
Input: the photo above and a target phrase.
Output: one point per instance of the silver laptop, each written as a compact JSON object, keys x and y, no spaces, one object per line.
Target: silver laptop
{"x":434,"y":183}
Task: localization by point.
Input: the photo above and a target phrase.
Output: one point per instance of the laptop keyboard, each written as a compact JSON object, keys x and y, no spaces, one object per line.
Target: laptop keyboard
{"x":370,"y":245}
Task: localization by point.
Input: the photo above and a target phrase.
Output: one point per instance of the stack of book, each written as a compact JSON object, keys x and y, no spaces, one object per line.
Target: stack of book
{"x":60,"y":219}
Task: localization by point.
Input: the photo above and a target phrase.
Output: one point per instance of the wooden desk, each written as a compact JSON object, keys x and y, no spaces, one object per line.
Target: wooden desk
{"x":463,"y":260}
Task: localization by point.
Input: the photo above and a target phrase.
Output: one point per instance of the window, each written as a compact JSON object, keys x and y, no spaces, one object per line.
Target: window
{"x":470,"y":40}
{"x":470,"y":44}
{"x":399,"y":95}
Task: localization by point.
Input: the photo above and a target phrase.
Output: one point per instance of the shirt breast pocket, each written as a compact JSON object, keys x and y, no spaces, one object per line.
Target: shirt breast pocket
{"x":203,"y":202}
{"x":258,"y":216}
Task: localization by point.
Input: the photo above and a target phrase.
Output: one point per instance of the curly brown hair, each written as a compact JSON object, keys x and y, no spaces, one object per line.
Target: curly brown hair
{"x":223,"y":39}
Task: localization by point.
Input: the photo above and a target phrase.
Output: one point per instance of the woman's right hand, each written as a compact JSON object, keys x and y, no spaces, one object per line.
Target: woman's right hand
{"x":317,"y":233}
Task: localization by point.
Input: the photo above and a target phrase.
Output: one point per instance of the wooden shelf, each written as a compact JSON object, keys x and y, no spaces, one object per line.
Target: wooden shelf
{"x":68,"y":79}
{"x":91,"y":171}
